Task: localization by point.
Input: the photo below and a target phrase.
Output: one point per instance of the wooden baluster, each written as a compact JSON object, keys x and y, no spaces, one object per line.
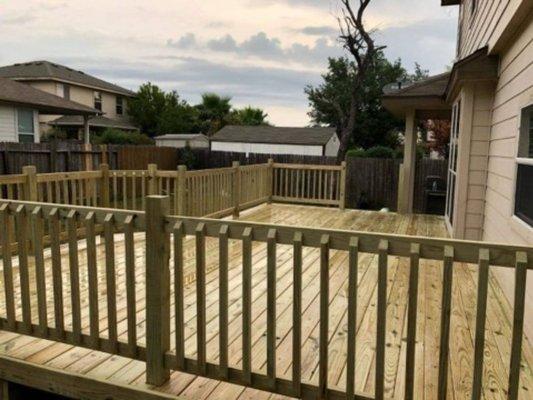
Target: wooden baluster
{"x":131,"y":300}
{"x":143,"y":190}
{"x":74,"y":275}
{"x":179,"y":303}
{"x":481,"y":317}
{"x":271,"y":306}
{"x":200,"y":298}
{"x":518,"y":324}
{"x":447,"y":282}
{"x":353,"y":256}
{"x":247,"y":304}
{"x":125,"y":191}
{"x":74,"y":192}
{"x":286,"y":193}
{"x":324,"y":317}
{"x":115,"y":190}
{"x":411,"y":321}
{"x":40,"y":275}
{"x":133,"y":191}
{"x":92,"y":279}
{"x":381,"y":325}
{"x":57,"y":273}
{"x":319,"y":192}
{"x":6,"y":228}
{"x":297,"y":314}
{"x":21,"y":220}
{"x":111,"y":286}
{"x":223,"y":299}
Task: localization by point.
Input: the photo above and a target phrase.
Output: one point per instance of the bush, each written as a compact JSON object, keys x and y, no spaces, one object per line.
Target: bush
{"x":380,"y":152}
{"x":356,"y":153}
{"x":116,"y":136}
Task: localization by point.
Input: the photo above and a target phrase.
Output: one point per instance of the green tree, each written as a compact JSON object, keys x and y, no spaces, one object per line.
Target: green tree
{"x":146,"y":107}
{"x":178,"y":116}
{"x":331,"y":100}
{"x":248,"y":116}
{"x":214,"y":112}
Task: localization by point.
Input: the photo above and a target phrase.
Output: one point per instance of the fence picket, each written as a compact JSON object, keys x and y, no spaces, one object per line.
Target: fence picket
{"x":247,"y":304}
{"x":200,"y":297}
{"x":353,"y":255}
{"x":271,"y":305}
{"x":131,"y":300}
{"x":297,"y":313}
{"x":92,"y":280}
{"x":74,"y":275}
{"x":324,"y":317}
{"x":411,"y":321}
{"x":223,"y":299}
{"x":111,"y":289}
{"x":447,"y":281}
{"x":40,"y":276}
{"x":381,"y":320}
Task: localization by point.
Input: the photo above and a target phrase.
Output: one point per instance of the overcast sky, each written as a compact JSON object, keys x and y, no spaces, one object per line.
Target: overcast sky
{"x":259,"y":52}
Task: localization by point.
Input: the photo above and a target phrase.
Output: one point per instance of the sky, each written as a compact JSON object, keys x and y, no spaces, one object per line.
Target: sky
{"x":259,"y":52}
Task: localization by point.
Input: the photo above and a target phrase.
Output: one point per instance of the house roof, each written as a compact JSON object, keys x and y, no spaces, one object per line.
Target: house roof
{"x":20,"y":94}
{"x":432,"y":86}
{"x":271,"y":134}
{"x":46,"y":70}
{"x":182,"y":136}
{"x":98,"y":121}
{"x":427,"y":97}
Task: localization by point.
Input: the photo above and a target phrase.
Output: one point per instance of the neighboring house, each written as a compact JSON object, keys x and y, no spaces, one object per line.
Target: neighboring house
{"x":489,"y":94}
{"x":70,"y":84}
{"x":21,"y":106}
{"x":266,"y":139}
{"x":179,"y":140}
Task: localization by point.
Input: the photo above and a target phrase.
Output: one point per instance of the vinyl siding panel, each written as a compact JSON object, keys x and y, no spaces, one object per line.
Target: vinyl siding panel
{"x":266,"y":148}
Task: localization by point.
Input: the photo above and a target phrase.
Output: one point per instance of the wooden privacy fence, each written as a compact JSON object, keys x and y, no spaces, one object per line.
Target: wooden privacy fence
{"x":213,"y":192}
{"x":154,"y":246}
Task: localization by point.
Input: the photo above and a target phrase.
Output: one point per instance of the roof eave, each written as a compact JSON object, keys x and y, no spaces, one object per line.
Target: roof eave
{"x":51,"y":110}
{"x":125,"y":92}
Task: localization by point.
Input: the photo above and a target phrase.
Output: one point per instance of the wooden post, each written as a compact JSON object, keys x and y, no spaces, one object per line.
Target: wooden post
{"x":30,"y":187}
{"x":270,"y":180}
{"x":236,"y":188}
{"x":342,"y":186}
{"x":405,"y":191}
{"x":157,"y":290}
{"x":152,"y":179}
{"x":86,"y":130}
{"x":104,"y":186}
{"x":180,"y":201}
{"x":88,"y":150}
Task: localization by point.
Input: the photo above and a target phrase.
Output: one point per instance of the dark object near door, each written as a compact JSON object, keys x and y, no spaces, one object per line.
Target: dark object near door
{"x":435,"y":198}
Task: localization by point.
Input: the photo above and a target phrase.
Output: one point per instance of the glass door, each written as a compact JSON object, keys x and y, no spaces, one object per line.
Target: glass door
{"x":452,"y":163}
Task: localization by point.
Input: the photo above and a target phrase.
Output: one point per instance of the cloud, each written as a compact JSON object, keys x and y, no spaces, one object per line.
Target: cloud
{"x":187,"y":41}
{"x":17,"y":19}
{"x":226,"y":43}
{"x":318,"y":30}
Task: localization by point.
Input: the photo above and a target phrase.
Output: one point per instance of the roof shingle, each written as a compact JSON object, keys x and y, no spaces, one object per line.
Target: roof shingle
{"x":48,"y":70}
{"x":277,"y":135}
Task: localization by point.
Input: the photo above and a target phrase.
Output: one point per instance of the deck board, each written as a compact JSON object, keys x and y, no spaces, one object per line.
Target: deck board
{"x":125,"y":371}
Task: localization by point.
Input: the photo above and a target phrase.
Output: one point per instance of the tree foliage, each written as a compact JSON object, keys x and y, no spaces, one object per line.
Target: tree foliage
{"x":157,"y":112}
{"x":331,"y":100}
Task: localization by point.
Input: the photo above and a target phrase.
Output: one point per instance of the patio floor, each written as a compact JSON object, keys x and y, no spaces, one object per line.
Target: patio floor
{"x":121,"y":370}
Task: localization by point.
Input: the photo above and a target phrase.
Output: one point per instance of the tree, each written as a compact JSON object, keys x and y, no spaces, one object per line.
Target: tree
{"x":146,"y":107}
{"x":358,"y":42}
{"x":331,"y":100}
{"x":440,"y":136}
{"x":178,"y":116}
{"x":214,"y":112}
{"x":248,"y":116}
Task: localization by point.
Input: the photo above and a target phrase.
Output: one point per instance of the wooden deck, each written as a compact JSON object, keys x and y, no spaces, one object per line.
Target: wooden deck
{"x":118,"y":370}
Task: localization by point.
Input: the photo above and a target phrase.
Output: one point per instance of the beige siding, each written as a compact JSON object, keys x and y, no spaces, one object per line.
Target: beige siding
{"x":486,"y":25}
{"x":265,"y":148}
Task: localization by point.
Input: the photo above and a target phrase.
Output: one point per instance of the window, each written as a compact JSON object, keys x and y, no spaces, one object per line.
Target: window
{"x":120,"y":106}
{"x":25,"y":126}
{"x":524,"y":169}
{"x":452,"y":162}
{"x":66,"y":91}
{"x":98,"y":100}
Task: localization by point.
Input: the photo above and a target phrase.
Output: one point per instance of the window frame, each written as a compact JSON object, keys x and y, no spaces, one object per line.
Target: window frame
{"x":121,"y":105}
{"x":525,"y":131}
{"x":98,"y":100}
{"x":24,"y":133}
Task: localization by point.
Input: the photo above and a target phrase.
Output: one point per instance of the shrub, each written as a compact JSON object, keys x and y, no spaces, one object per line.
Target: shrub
{"x":356,"y":153}
{"x":116,"y":136}
{"x":380,"y":152}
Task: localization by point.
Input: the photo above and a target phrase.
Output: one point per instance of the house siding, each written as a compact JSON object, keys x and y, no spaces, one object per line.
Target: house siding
{"x":267,"y":148}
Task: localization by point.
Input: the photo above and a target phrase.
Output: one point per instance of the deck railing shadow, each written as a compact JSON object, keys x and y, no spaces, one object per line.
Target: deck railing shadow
{"x":51,"y":241}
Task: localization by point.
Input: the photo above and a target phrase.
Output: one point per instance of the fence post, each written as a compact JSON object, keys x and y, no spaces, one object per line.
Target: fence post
{"x":104,"y":186}
{"x":157,"y":290}
{"x":180,"y":200}
{"x":152,"y":179}
{"x":236,"y":187}
{"x":342,"y":188}
{"x":30,"y":187}
{"x":270,"y":180}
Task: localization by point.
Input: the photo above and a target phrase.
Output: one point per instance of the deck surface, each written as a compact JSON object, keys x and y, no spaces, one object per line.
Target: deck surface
{"x":125,"y":371}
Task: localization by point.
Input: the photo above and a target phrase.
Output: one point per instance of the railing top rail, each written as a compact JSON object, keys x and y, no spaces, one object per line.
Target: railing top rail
{"x":99,"y":213}
{"x":59,"y":176}
{"x":213,"y":171}
{"x":307,"y":166}
{"x":12,"y":179}
{"x":399,"y":245}
{"x":254,"y":166}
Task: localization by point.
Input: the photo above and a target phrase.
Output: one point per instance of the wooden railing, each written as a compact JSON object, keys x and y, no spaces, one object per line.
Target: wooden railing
{"x":310,"y":184}
{"x":212,"y":193}
{"x":161,"y":237}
